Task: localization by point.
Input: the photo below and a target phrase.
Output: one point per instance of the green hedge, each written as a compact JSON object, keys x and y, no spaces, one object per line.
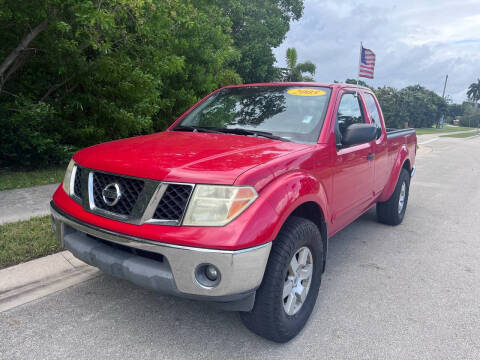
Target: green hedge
{"x":102,"y":70}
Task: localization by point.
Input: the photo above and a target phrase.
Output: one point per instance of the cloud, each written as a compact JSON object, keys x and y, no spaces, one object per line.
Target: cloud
{"x":416,"y":41}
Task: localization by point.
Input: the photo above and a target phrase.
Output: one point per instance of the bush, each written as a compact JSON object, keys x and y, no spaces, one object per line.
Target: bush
{"x":104,"y":70}
{"x":471,"y":115}
{"x":415,"y":105}
{"x":30,"y":137}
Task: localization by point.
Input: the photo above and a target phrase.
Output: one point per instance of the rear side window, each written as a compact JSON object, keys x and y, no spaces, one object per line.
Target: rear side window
{"x":349,"y":112}
{"x":373,"y":111}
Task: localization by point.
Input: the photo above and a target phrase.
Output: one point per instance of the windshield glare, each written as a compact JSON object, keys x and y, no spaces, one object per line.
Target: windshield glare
{"x":293,"y":113}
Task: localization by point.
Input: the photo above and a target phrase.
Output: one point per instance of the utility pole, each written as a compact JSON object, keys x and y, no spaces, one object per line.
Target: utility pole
{"x":444,"y":87}
{"x":443,"y":96}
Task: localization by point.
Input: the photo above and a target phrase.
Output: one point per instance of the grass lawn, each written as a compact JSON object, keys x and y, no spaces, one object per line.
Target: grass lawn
{"x":26,"y":240}
{"x":14,"y":179}
{"x":461,"y":135}
{"x":447,"y":129}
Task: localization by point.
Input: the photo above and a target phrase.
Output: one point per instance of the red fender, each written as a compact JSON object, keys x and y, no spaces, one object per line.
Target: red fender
{"x":402,"y":156}
{"x":288,"y":192}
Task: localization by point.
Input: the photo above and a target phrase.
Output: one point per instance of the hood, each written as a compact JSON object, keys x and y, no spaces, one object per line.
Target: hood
{"x":184,"y":156}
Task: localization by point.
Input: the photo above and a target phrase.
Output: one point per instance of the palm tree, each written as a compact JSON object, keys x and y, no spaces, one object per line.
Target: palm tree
{"x":294,"y":72}
{"x":473,"y":92}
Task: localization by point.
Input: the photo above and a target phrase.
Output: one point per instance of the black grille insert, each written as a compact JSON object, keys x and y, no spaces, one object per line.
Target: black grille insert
{"x":133,"y":251}
{"x":130,"y":189}
{"x":77,"y":184}
{"x":173,"y":202}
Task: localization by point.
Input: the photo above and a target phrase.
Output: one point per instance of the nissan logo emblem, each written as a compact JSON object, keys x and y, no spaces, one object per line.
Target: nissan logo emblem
{"x":111,"y":194}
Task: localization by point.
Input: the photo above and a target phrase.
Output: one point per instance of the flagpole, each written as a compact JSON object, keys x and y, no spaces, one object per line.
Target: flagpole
{"x":359,"y":62}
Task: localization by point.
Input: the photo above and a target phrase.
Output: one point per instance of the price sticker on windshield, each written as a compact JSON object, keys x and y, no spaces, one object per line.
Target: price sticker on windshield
{"x":306,"y":92}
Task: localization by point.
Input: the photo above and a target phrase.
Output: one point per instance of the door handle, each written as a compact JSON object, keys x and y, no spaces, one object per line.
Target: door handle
{"x":371,"y":157}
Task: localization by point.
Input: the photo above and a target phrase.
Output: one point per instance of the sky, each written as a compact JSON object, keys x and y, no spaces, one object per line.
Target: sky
{"x":415,"y":41}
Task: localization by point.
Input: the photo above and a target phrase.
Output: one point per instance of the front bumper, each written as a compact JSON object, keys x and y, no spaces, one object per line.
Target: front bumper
{"x":163,"y":267}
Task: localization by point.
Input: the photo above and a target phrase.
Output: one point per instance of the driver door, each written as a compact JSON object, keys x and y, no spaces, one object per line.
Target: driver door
{"x":354,"y":170}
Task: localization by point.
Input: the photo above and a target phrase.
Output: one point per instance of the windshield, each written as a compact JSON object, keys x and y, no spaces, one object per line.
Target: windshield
{"x":285,"y":112}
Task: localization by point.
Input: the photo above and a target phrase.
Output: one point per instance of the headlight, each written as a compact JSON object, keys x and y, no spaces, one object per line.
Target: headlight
{"x":68,"y":179}
{"x":216,"y":205}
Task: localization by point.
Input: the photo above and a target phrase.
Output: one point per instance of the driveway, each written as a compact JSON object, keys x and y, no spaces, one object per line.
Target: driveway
{"x":406,"y":292}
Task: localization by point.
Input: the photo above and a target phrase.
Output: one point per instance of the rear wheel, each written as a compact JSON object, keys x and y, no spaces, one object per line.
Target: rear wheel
{"x":392,"y":211}
{"x":290,"y":285}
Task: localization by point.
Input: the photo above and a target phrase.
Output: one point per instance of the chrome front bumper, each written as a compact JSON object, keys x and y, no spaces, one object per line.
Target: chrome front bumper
{"x":241,"y":271}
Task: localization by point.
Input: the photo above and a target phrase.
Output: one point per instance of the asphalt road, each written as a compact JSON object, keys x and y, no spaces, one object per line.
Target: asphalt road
{"x":406,"y":292}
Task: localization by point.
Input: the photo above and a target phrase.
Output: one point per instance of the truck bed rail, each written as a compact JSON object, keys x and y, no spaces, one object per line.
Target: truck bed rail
{"x":394,"y":133}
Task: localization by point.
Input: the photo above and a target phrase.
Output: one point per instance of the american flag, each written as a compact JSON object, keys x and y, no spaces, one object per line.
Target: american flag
{"x":367,"y":63}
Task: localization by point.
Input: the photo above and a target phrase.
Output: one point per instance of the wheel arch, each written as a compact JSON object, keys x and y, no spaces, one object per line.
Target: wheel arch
{"x":310,"y":210}
{"x":300,"y":194}
{"x":401,"y":162}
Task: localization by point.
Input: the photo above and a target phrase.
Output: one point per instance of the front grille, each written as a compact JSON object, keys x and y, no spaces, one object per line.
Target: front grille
{"x":173,"y":202}
{"x":77,"y":184}
{"x":129,"y":188}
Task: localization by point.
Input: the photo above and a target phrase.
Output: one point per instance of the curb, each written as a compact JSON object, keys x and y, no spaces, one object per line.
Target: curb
{"x":472,"y":137}
{"x":35,"y":279}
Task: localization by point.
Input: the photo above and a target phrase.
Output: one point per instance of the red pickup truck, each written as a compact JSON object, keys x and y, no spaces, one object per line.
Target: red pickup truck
{"x":235,"y":202}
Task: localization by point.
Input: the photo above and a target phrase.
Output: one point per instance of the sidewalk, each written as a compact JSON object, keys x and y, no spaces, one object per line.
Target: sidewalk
{"x":428,"y":138}
{"x":35,"y":279}
{"x":22,"y":204}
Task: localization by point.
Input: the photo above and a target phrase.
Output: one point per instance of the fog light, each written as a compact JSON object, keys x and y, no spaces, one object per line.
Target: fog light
{"x":211,"y":272}
{"x":207,"y":275}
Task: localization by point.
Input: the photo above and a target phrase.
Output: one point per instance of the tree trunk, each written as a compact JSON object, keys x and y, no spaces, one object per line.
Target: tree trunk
{"x":13,"y":56}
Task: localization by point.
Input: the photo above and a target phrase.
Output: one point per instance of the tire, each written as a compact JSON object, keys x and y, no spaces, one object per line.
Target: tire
{"x":269,"y":317}
{"x":392,"y":211}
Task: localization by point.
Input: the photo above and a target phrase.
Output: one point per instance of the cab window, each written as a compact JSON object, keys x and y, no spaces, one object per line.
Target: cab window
{"x":349,"y":112}
{"x":373,"y":111}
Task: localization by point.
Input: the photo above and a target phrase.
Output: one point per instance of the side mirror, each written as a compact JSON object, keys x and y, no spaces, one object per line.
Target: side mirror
{"x":358,"y":134}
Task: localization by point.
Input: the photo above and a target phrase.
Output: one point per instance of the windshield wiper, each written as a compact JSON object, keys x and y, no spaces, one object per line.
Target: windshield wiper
{"x":236,"y":131}
{"x":239,"y":131}
{"x":196,"y":129}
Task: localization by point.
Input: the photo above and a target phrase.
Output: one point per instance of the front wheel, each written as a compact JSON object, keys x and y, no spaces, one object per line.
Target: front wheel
{"x":291,"y":282}
{"x":392,"y":211}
